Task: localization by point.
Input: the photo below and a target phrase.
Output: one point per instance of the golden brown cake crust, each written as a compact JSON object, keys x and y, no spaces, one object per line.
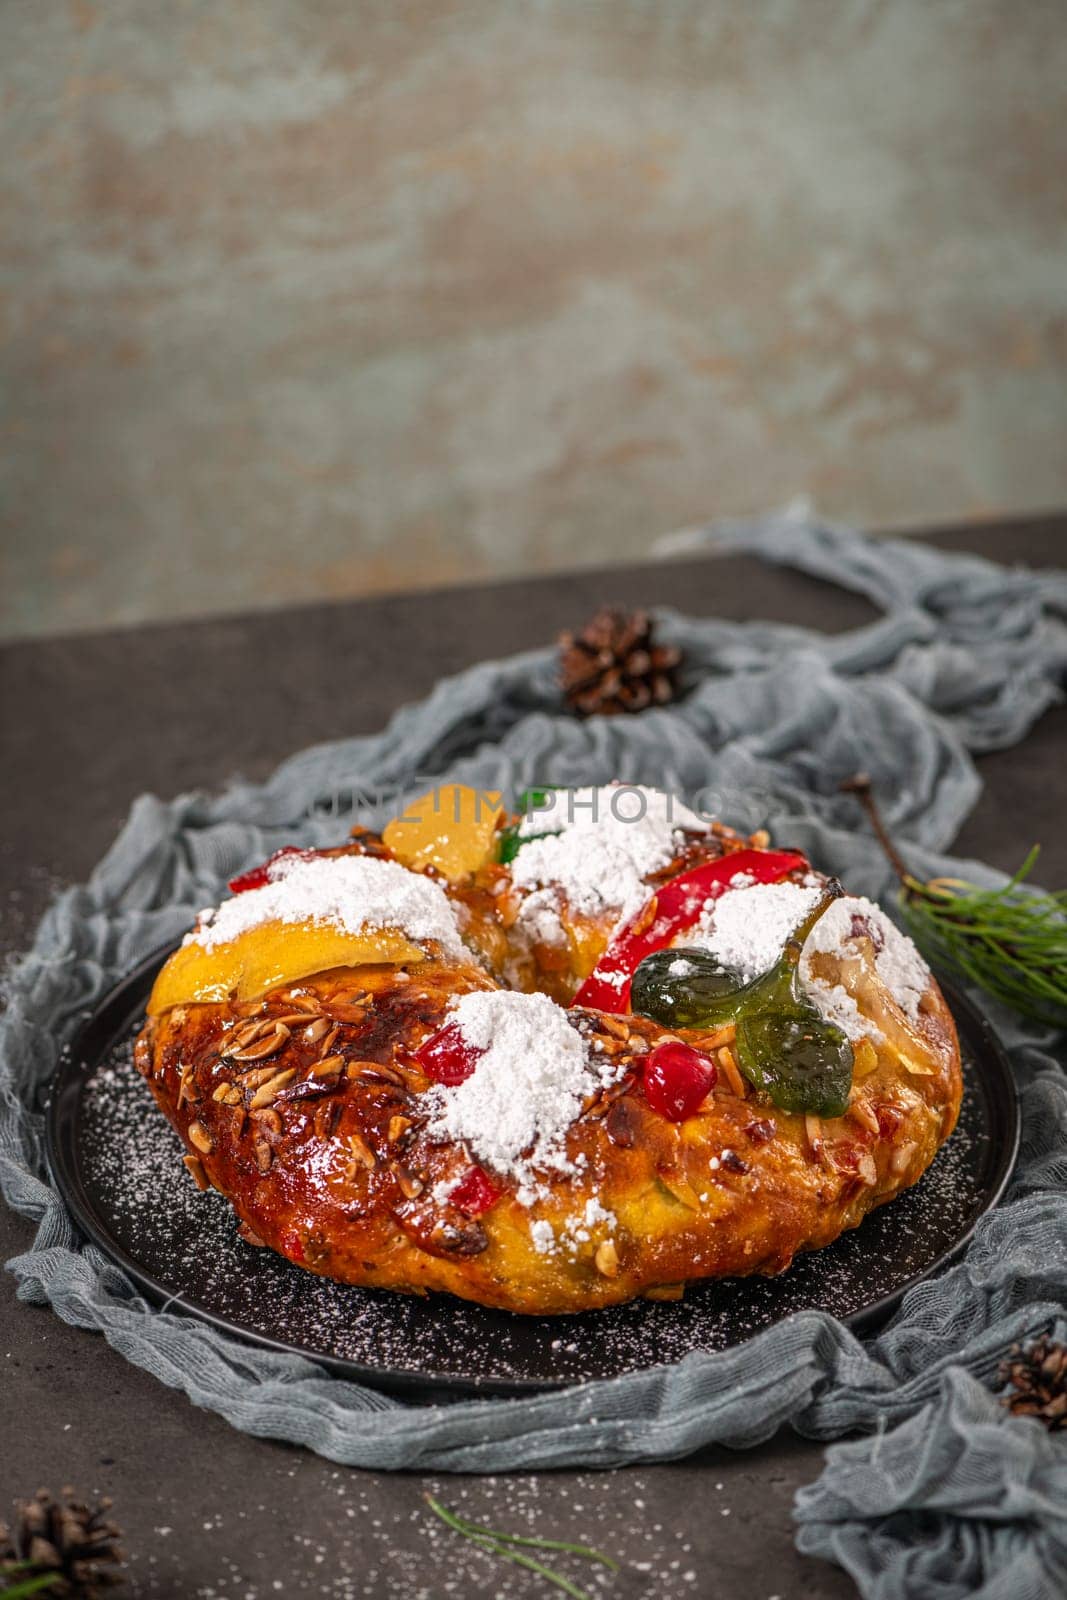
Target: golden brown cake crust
{"x":305,"y":1108}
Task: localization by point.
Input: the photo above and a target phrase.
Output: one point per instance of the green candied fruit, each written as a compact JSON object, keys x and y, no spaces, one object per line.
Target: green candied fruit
{"x":686,"y":988}
{"x":534,"y":799}
{"x":801,"y":1061}
{"x":511,"y":842}
{"x":784,"y":1046}
{"x":529,"y":802}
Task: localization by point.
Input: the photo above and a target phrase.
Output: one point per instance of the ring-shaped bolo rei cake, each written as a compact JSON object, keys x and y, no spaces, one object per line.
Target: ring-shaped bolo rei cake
{"x":552,"y":1060}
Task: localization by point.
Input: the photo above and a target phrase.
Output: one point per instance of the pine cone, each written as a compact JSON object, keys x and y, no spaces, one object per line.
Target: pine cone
{"x":613,"y":665}
{"x":66,"y":1539}
{"x":1038,"y":1379}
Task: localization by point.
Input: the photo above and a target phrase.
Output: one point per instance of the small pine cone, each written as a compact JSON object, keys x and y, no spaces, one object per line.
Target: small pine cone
{"x":613,"y":665}
{"x":74,"y":1544}
{"x":1037,"y":1379}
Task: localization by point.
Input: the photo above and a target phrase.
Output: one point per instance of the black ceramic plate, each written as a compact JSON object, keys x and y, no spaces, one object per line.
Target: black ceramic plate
{"x":117,"y":1162}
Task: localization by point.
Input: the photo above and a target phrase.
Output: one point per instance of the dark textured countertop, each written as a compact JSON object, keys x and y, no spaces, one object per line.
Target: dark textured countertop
{"x":87,"y":723}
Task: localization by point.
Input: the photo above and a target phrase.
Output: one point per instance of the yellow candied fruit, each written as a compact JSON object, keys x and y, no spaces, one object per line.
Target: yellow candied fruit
{"x":865,"y":1059}
{"x":269,"y":955}
{"x":452,"y":828}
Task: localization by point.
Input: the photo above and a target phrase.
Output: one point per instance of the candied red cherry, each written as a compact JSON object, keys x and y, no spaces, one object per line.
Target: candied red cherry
{"x":446,"y":1057}
{"x":475,"y":1193}
{"x":677,"y":1079}
{"x":259,"y":877}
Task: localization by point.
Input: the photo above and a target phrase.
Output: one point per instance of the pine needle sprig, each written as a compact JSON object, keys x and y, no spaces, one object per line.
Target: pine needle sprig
{"x":499,"y":1544}
{"x":1011,"y":941}
{"x":42,"y":1583}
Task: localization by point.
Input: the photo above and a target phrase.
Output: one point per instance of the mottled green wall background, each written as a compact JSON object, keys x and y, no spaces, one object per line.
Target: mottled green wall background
{"x":303,"y":298}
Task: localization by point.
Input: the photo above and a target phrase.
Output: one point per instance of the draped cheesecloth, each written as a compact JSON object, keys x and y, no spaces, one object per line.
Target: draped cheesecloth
{"x":944,"y":1493}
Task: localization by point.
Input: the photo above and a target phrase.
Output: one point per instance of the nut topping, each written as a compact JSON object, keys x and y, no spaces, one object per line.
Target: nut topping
{"x":328,"y":1068}
{"x":267,"y":1092}
{"x":607,"y":1259}
{"x":362,"y":1151}
{"x":729,"y":1069}
{"x":410,"y":1185}
{"x":268,"y":1045}
{"x":196,"y":1168}
{"x":860,"y":1111}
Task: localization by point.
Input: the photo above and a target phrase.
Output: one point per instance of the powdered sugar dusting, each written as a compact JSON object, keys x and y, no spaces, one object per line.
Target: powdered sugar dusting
{"x":836,"y":1005}
{"x":354,"y":893}
{"x":747,"y":928}
{"x":527,"y":1088}
{"x":897,"y":961}
{"x":609,"y":839}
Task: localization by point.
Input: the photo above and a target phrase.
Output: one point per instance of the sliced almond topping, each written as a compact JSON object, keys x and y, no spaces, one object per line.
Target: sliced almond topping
{"x":644,"y":918}
{"x":267,"y":1120}
{"x":760,"y":839}
{"x":252,"y":1077}
{"x":268,"y":1045}
{"x":902,"y":1157}
{"x":374,"y":1069}
{"x":410,"y":1185}
{"x":677,"y":1184}
{"x":250,"y":1008}
{"x":729,"y":1070}
{"x":196,"y":1167}
{"x":398,"y":1126}
{"x":201,"y":1138}
{"x":615,"y":1025}
{"x":607,"y":1259}
{"x":268,"y":1092}
{"x":264,"y":1154}
{"x":240,"y":1037}
{"x":868,"y":1169}
{"x":304,"y":1002}
{"x":715,"y":1039}
{"x":860,"y":1111}
{"x":228,"y":1094}
{"x":611,"y":1047}
{"x":317,"y":1030}
{"x":326,"y":1115}
{"x":329,"y":1040}
{"x":330,"y":1067}
{"x":362,"y":1151}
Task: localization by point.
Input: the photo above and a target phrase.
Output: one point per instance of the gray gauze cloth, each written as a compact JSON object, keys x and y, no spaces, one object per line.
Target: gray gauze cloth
{"x":945,"y":1493}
